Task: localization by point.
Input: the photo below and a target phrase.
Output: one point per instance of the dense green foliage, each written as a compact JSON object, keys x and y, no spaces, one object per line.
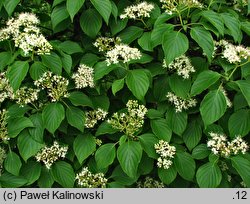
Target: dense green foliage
{"x":172,"y":105}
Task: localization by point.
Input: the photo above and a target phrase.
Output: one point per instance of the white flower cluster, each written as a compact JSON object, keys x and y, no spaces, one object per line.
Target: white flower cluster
{"x":229,"y":103}
{"x":191,"y":3}
{"x":86,"y":179}
{"x":180,"y":103}
{"x":233,"y":53}
{"x":55,"y":85}
{"x":122,"y":53}
{"x":2,"y":158}
{"x":26,"y":35}
{"x":98,"y":142}
{"x":171,"y":6}
{"x":6,"y":91}
{"x":26,"y":95}
{"x":129,"y":122}
{"x":138,"y":11}
{"x":221,"y":146}
{"x":182,"y":65}
{"x":84,"y":77}
{"x":166,"y":153}
{"x":3,"y":126}
{"x":48,"y":155}
{"x":92,"y":117}
{"x":150,"y":183}
{"x":105,"y":44}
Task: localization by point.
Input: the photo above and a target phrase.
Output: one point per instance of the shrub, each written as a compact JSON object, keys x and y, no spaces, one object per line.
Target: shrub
{"x":118,"y":93}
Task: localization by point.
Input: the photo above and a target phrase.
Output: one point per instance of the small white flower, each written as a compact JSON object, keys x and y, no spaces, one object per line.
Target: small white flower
{"x":105,"y":44}
{"x":233,"y":53}
{"x":84,"y":77}
{"x":221,"y":146}
{"x":138,"y":11}
{"x":24,"y":32}
{"x":55,"y":85}
{"x":166,"y":153}
{"x":180,"y":103}
{"x":123,"y":53}
{"x":92,"y":117}
{"x":48,"y":155}
{"x":182,"y":65}
{"x":131,"y":121}
{"x":150,"y":183}
{"x":86,"y":179}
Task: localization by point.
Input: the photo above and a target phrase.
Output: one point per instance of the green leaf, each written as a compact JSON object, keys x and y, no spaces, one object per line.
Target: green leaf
{"x":204,"y":39}
{"x":138,"y":83}
{"x":58,"y":17}
{"x":245,"y":26}
{"x":36,"y":70}
{"x":84,"y":146}
{"x":244,"y":87}
{"x":17,"y":72}
{"x":145,"y":41}
{"x":242,"y":166}
{"x":167,"y":176}
{"x":185,"y":165}
{"x":10,"y":6}
{"x":161,"y":129}
{"x":130,"y":34}
{"x":176,"y":49}
{"x":90,"y":59}
{"x":12,"y":163}
{"x":38,"y":130}
{"x":105,"y":128}
{"x":119,"y":176}
{"x":8,"y":180}
{"x":117,"y":25}
{"x":239,"y":123}
{"x":192,"y":134}
{"x":31,"y":171}
{"x":80,"y":99}
{"x":15,"y":111}
{"x":53,"y":62}
{"x":74,"y":7}
{"x":63,"y":174}
{"x":233,"y":25}
{"x":203,"y":81}
{"x":101,"y":69}
{"x":213,"y":107}
{"x":105,"y":155}
{"x":5,"y":59}
{"x":27,"y":146}
{"x":66,"y":62}
{"x":53,"y":114}
{"x":177,"y":121}
{"x":17,"y":125}
{"x":146,"y":165}
{"x":129,"y":156}
{"x":75,"y":117}
{"x":209,"y":176}
{"x":158,"y":33}
{"x":70,"y":47}
{"x":201,"y":151}
{"x":215,"y":19}
{"x":91,"y":22}
{"x":148,"y":141}
{"x":179,"y":86}
{"x":45,"y":180}
{"x":101,"y":101}
{"x":117,"y":85}
{"x":104,"y":7}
